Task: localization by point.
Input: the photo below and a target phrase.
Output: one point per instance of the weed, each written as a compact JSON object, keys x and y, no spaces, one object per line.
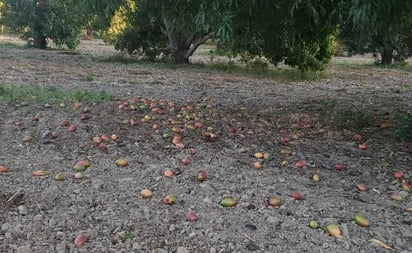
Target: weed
{"x":255,"y":69}
{"x":48,"y":94}
{"x":90,"y":77}
{"x":403,"y":130}
{"x":353,"y":119}
{"x":5,"y":44}
{"x":92,"y":97}
{"x":327,"y":105}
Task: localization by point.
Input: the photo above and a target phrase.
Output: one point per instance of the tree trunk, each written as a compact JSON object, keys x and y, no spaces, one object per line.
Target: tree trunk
{"x":386,"y":56}
{"x":40,"y":17}
{"x":39,"y":40}
{"x":179,"y":56}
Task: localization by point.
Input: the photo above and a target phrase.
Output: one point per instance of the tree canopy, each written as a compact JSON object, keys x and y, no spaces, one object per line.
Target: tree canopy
{"x":380,"y":27}
{"x":300,"y":33}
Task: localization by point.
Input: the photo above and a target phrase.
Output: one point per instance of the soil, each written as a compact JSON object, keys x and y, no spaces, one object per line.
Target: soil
{"x":289,"y":121}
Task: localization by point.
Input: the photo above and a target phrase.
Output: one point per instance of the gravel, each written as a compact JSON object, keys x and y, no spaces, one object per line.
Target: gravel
{"x":40,"y":214}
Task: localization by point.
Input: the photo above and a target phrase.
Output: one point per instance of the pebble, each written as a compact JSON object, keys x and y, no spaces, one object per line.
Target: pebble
{"x":22,"y":210}
{"x":61,"y":247}
{"x":212,"y":250}
{"x":273,"y":220}
{"x":345,"y":230}
{"x":252,"y":247}
{"x":404,"y":194}
{"x":60,"y":235}
{"x":159,"y":251}
{"x":5,"y":226}
{"x":182,"y":250}
{"x":24,"y":249}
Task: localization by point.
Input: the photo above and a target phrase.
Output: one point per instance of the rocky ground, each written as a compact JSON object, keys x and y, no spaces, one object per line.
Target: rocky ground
{"x":302,"y":127}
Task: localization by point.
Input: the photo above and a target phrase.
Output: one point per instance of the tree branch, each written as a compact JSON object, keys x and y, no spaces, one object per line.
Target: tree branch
{"x":194,"y":45}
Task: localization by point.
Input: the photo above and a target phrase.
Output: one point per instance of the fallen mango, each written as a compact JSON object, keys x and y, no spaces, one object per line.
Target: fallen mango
{"x":334,"y":230}
{"x":361,"y":220}
{"x":228,"y":202}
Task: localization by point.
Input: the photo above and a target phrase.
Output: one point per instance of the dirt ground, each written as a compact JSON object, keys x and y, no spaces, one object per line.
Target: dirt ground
{"x":222,"y":121}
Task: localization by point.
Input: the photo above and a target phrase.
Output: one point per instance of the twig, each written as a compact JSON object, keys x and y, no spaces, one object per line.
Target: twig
{"x":14,"y":196}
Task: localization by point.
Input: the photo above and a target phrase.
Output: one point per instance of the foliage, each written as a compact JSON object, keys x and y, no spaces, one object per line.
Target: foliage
{"x":64,"y":23}
{"x":174,"y":28}
{"x":119,"y":21}
{"x":48,"y":94}
{"x":1,"y":11}
{"x":379,"y":27}
{"x":59,"y":20}
{"x":298,"y":33}
{"x":403,"y":131}
{"x":353,"y":119}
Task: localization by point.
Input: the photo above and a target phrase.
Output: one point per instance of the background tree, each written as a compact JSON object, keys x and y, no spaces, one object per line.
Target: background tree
{"x":2,"y":7}
{"x":298,"y":33}
{"x":380,"y":27}
{"x":119,"y":22}
{"x":175,"y":28}
{"x":58,"y":20}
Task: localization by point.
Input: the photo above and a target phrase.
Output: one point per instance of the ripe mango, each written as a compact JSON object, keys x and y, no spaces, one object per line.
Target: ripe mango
{"x":228,"y":202}
{"x":361,"y":220}
{"x":334,"y":230}
{"x":121,"y":162}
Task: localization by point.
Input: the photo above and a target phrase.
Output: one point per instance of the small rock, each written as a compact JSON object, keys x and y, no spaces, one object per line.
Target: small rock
{"x":345,"y":230}
{"x":251,"y":226}
{"x":182,"y":250}
{"x":24,"y":249}
{"x":136,"y":245}
{"x":159,"y":251}
{"x":399,"y":242}
{"x":60,"y":235}
{"x":212,"y":250}
{"x":404,"y":194}
{"x":61,"y":247}
{"x":5,"y":226}
{"x":273,"y":220}
{"x":252,"y":247}
{"x":22,"y":210}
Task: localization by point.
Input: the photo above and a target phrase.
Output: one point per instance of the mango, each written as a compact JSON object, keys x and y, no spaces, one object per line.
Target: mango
{"x":121,"y":162}
{"x":313,"y":224}
{"x":145,"y":193}
{"x":361,"y":220}
{"x":228,"y":202}
{"x":334,"y":230}
{"x":59,"y":177}
{"x":40,"y":173}
{"x":274,"y":201}
{"x":169,"y":200}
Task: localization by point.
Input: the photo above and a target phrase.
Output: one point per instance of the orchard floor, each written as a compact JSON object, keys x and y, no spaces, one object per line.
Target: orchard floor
{"x":290,"y":121}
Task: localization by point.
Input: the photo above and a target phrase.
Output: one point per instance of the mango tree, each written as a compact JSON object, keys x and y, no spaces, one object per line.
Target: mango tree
{"x":298,"y":33}
{"x":379,"y":27}
{"x":58,"y":20}
{"x":175,"y":28}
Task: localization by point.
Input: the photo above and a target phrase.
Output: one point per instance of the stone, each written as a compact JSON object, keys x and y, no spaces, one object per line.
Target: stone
{"x":159,"y":251}
{"x":182,"y":250}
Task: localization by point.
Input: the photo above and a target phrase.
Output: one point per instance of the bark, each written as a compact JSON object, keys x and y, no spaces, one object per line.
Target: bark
{"x":40,"y":12}
{"x":180,"y":57}
{"x":181,"y":47}
{"x":386,"y":56}
{"x":39,"y":41}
